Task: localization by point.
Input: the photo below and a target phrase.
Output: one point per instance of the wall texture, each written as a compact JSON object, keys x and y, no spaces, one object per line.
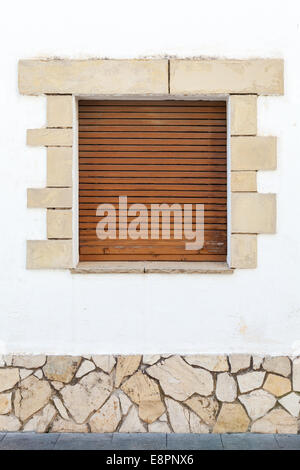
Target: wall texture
{"x":154,"y":393}
{"x":55,"y":312}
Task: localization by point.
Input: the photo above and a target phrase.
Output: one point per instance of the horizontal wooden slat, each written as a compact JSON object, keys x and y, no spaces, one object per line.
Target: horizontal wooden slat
{"x":157,"y":257}
{"x":152,"y":135}
{"x":145,"y":129}
{"x":152,"y":109}
{"x":153,"y":122}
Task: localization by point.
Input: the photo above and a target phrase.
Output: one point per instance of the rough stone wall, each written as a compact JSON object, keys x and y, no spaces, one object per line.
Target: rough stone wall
{"x":158,"y":393}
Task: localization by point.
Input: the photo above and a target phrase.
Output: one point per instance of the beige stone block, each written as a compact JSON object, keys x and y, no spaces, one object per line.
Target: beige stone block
{"x":59,"y":111}
{"x":258,"y":76}
{"x":243,"y":251}
{"x":61,"y":368}
{"x":59,"y":166}
{"x":276,"y":422}
{"x":97,"y":76}
{"x":253,"y":153}
{"x":59,"y":223}
{"x":50,"y":137}
{"x":277,"y":385}
{"x":253,"y":213}
{"x":243,"y":181}
{"x":232,"y":418}
{"x":49,"y":197}
{"x":49,"y":254}
{"x":243,"y":114}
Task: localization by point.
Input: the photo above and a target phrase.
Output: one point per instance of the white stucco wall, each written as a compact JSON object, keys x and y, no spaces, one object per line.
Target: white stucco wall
{"x":254,"y":311}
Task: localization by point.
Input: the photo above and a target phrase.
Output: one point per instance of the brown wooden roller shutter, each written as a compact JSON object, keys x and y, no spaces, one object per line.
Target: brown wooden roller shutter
{"x":152,"y":152}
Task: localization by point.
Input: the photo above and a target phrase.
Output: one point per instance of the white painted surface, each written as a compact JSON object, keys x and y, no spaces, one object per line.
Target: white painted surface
{"x":55,"y":312}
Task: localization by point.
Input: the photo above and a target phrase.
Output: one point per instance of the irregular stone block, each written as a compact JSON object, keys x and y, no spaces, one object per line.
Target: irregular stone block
{"x":279,"y":365}
{"x":145,"y":392}
{"x":87,"y":396}
{"x":132,"y":422}
{"x":93,"y":77}
{"x":9,"y":423}
{"x":296,"y":374}
{"x":61,"y":368}
{"x":232,"y":418}
{"x":291,"y":403}
{"x":257,"y":403}
{"x":250,"y":381}
{"x":8,"y":378}
{"x":29,"y":362}
{"x":179,"y":416}
{"x":226,"y":389}
{"x":85,"y":367}
{"x":277,"y":385}
{"x":108,"y":417}
{"x":226,"y":76}
{"x":35,"y":394}
{"x":151,"y":359}
{"x":40,"y":421}
{"x":243,"y":114}
{"x":126,"y":365}
{"x":124,"y":402}
{"x":60,"y":408}
{"x":205,"y":407}
{"x":179,"y":380}
{"x":5,"y":403}
{"x":104,"y":362}
{"x":211,"y":362}
{"x":159,"y":426}
{"x":276,"y":422}
{"x":63,"y":425}
{"x":239,"y":362}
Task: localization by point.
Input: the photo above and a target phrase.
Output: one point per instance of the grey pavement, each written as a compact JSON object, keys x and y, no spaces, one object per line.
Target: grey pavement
{"x":119,"y":441}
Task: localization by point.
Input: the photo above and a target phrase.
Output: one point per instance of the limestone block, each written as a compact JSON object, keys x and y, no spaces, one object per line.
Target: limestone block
{"x":50,"y":137}
{"x":59,"y":223}
{"x":243,"y":251}
{"x":49,"y":254}
{"x":93,"y":76}
{"x":257,"y":76}
{"x":243,"y":181}
{"x":253,"y":213}
{"x":49,"y":198}
{"x":243,"y":114}
{"x":253,"y":153}
{"x":59,"y":111}
{"x":59,"y":166}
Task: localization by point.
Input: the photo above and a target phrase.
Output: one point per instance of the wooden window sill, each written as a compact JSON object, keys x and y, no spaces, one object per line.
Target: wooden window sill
{"x":151,"y":267}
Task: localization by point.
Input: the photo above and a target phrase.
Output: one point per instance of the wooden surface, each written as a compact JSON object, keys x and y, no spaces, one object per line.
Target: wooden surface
{"x":152,"y":152}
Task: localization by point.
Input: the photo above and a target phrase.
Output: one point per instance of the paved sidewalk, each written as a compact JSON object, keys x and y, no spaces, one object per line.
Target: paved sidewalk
{"x":66,"y":441}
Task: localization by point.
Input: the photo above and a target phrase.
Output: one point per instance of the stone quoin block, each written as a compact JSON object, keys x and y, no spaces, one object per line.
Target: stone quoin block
{"x":59,"y":166}
{"x":50,"y":137}
{"x":49,"y":197}
{"x":257,"y":76}
{"x":243,"y":181}
{"x":49,"y":254}
{"x":253,"y":213}
{"x":243,"y":251}
{"x":97,"y":76}
{"x":59,"y":223}
{"x":59,"y":111}
{"x":253,"y":153}
{"x":243,"y":114}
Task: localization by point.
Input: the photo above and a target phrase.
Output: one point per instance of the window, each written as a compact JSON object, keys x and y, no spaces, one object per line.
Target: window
{"x":152,"y":175}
